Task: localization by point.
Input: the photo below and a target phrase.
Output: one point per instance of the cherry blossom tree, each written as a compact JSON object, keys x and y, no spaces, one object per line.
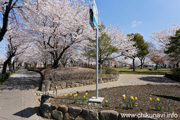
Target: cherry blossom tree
{"x":157,"y":56}
{"x":60,"y":25}
{"x":2,"y":59}
{"x":31,"y":56}
{"x":121,"y":41}
{"x":124,"y":61}
{"x":8,"y":14}
{"x":17,"y":43}
{"x":162,"y":37}
{"x":34,"y":56}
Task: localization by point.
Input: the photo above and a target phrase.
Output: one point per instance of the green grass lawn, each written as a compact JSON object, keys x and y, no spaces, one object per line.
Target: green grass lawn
{"x":159,"y":71}
{"x":105,"y":75}
{"x":146,"y":71}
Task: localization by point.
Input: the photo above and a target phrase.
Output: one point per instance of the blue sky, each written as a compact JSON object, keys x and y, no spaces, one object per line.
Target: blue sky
{"x":140,"y":16}
{"x":137,"y":16}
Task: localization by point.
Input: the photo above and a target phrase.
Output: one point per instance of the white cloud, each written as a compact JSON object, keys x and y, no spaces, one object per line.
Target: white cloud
{"x":135,"y":23}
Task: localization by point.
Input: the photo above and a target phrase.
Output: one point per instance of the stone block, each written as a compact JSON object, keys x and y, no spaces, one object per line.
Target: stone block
{"x":62,"y":84}
{"x":108,"y":115}
{"x":86,"y":82}
{"x":63,"y":108}
{"x":89,"y":114}
{"x":53,"y":107}
{"x":74,"y":111}
{"x":66,"y":116}
{"x":105,"y":81}
{"x":76,"y":84}
{"x":57,"y":115}
{"x":73,"y":85}
{"x":46,"y":109}
{"x":79,"y":118}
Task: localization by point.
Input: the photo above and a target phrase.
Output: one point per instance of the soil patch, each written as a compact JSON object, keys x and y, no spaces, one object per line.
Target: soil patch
{"x":169,"y":95}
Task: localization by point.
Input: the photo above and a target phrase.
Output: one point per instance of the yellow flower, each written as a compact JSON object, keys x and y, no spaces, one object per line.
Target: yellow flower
{"x":124,"y":96}
{"x":106,"y":101}
{"x":71,"y":94}
{"x":132,"y":97}
{"x":65,"y":95}
{"x":86,"y":93}
{"x":84,"y":96}
{"x":136,"y":98}
{"x":157,"y":99}
{"x":75,"y":95}
{"x":150,"y":98}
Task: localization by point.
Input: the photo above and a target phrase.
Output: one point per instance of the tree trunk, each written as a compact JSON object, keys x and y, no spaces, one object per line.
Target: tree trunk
{"x":55,"y":64}
{"x":142,"y":59}
{"x":165,"y":65}
{"x":174,"y":66}
{"x":156,"y":66}
{"x":5,"y":20}
{"x":64,"y":63}
{"x":100,"y":68}
{"x":5,"y":66}
{"x":10,"y":66}
{"x":133,"y":64}
{"x":177,"y":64}
{"x":45,"y":64}
{"x":35,"y":65}
{"x":141,"y":65}
{"x":13,"y":65}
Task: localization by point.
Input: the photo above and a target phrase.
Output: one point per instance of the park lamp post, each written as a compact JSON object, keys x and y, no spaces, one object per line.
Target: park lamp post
{"x":93,"y":12}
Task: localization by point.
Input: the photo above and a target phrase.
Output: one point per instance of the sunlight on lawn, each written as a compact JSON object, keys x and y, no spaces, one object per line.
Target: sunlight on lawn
{"x":159,"y":71}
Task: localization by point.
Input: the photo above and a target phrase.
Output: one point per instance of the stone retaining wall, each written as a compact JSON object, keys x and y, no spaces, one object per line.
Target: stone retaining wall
{"x":77,"y":83}
{"x":72,"y":77}
{"x":62,"y":112}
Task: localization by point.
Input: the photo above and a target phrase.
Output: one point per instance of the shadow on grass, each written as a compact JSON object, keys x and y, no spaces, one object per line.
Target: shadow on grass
{"x":156,"y":79}
{"x":168,"y":97}
{"x":28,"y":112}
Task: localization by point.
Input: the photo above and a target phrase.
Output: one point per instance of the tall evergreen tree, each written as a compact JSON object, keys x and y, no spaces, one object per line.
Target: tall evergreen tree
{"x":142,"y":47}
{"x":173,"y":47}
{"x":105,"y":48}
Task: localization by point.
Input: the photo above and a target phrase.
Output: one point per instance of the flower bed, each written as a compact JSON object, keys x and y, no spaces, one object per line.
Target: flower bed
{"x":151,"y":99}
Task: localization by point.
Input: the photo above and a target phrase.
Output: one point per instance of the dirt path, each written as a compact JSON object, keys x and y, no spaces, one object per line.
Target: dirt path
{"x":17,"y":101}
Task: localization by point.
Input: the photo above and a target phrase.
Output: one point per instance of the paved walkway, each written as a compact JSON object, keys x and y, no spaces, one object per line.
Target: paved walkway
{"x":124,"y":80}
{"x":17,"y":101}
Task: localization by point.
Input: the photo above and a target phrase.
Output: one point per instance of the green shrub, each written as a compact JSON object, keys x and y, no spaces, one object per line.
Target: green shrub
{"x":32,"y":68}
{"x":110,"y":71}
{"x":131,"y":67}
{"x":5,"y":76}
{"x":176,"y":71}
{"x":41,"y":68}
